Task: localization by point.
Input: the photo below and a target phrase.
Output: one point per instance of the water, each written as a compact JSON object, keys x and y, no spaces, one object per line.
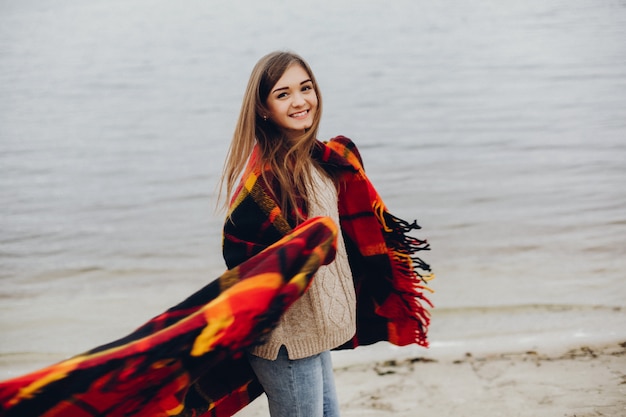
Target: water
{"x":501,"y":127}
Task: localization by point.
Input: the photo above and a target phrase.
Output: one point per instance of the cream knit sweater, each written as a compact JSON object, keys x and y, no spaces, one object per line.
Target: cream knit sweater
{"x":325,"y":316}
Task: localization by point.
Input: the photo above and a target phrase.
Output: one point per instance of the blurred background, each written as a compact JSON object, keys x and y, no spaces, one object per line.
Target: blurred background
{"x":500,"y":126}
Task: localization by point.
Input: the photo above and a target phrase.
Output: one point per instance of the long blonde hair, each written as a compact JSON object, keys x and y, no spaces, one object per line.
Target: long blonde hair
{"x":289,"y":160}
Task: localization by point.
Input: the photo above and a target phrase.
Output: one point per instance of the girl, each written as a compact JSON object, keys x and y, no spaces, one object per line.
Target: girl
{"x":372,"y":290}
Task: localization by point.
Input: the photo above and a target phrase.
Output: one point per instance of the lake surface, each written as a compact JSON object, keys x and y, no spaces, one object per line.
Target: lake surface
{"x":500,"y":127}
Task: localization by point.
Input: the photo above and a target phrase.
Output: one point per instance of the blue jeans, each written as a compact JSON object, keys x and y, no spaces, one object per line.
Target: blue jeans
{"x":298,"y":388}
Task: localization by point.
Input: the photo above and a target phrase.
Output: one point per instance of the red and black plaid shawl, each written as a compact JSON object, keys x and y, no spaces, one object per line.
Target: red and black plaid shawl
{"x":189,"y":360}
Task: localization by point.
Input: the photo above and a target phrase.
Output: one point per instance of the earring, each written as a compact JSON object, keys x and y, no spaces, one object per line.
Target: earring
{"x":264,"y":118}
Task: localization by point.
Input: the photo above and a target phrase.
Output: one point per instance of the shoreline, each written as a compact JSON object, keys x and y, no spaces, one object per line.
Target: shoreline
{"x":579,"y":382}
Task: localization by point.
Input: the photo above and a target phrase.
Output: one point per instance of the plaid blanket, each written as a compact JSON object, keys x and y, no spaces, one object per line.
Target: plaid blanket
{"x":188,"y":361}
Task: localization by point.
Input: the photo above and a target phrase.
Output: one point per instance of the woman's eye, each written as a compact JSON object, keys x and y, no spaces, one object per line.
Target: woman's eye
{"x":281,"y":95}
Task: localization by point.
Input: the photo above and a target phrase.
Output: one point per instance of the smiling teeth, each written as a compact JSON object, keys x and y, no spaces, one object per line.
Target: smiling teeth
{"x":302,"y":113}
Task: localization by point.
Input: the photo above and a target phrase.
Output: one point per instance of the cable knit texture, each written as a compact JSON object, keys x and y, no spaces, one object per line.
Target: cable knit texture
{"x":325,"y":316}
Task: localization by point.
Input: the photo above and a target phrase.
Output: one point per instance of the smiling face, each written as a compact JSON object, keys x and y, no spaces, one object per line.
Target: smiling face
{"x":292,"y":102}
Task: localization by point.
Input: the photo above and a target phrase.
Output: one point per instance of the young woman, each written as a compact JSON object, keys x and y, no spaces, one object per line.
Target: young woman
{"x":277,"y":175}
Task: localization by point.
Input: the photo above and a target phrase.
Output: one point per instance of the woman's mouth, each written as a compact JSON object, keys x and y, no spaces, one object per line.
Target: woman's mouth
{"x":299,"y":115}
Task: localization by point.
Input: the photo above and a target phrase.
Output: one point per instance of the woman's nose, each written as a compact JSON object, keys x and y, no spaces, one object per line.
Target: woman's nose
{"x":298,"y":100}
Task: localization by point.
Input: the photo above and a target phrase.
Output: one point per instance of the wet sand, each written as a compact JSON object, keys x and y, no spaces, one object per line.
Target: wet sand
{"x":581,"y":382}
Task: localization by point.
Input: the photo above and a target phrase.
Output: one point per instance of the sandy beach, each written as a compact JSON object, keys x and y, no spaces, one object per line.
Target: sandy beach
{"x":581,"y":382}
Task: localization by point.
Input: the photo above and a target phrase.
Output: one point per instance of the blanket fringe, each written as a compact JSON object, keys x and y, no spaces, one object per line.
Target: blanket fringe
{"x":400,"y":242}
{"x":411,"y":274}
